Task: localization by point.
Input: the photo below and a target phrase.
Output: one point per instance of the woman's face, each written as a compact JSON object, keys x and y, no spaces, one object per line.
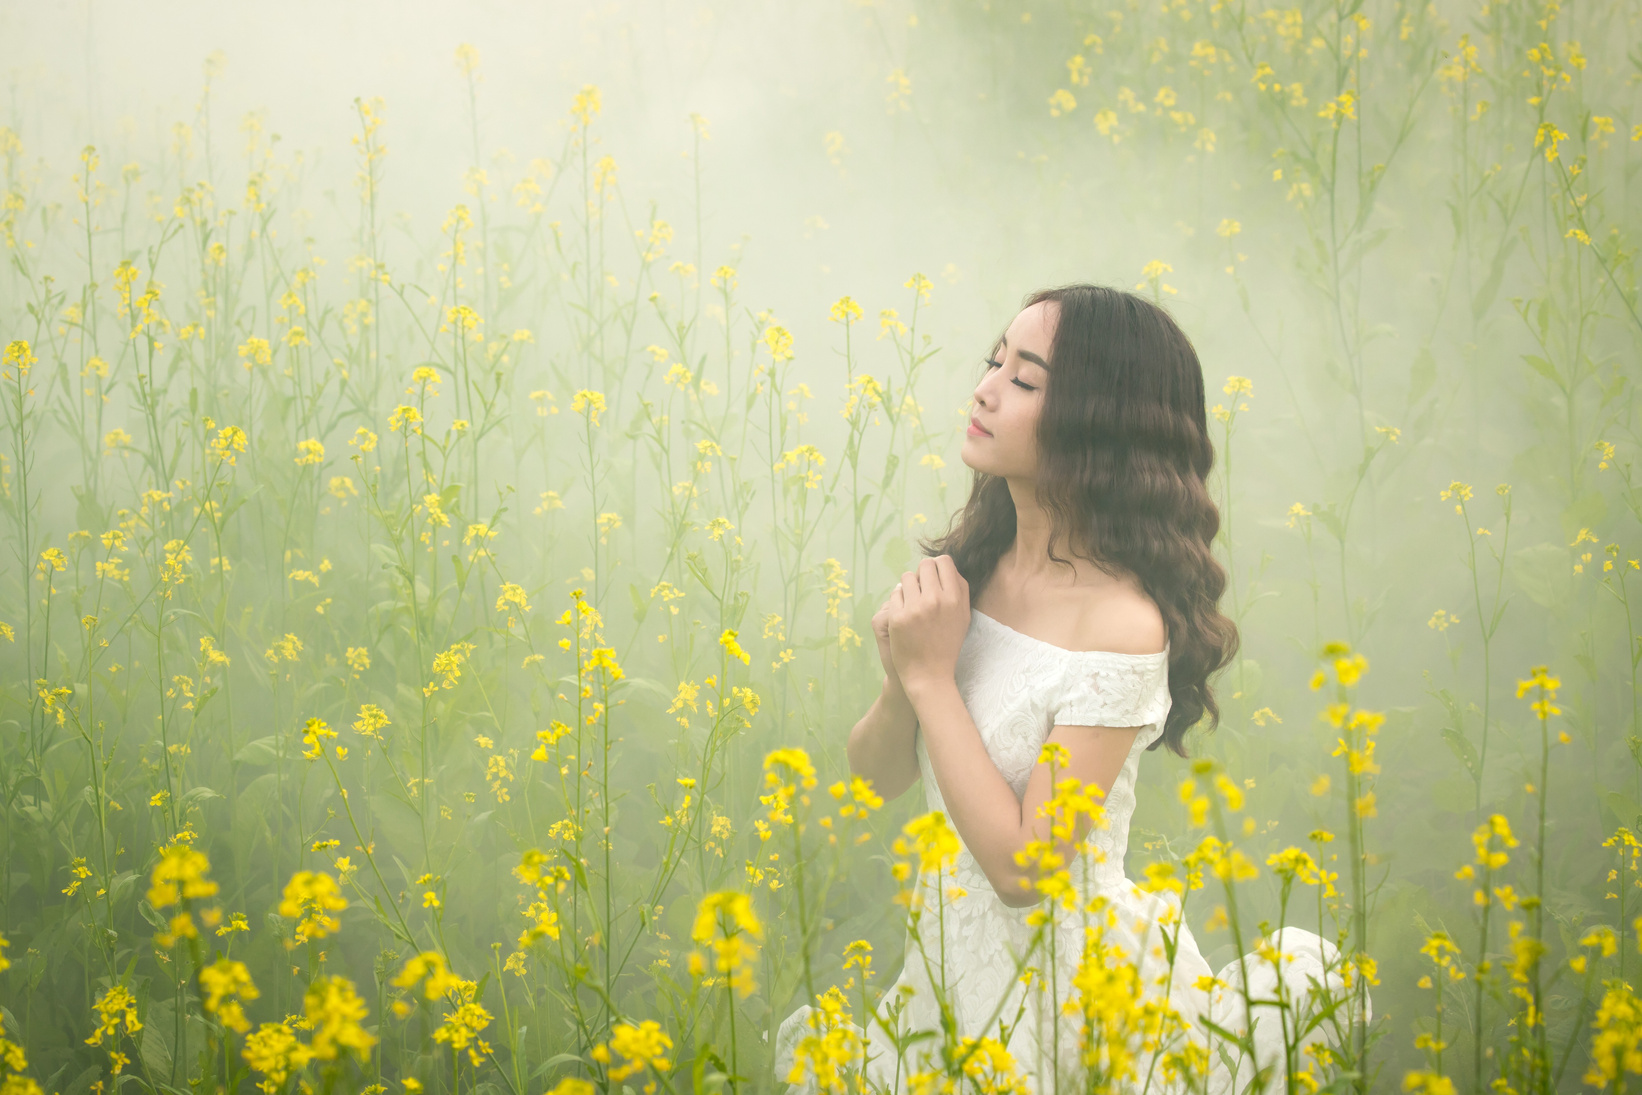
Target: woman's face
{"x":1009,"y":397}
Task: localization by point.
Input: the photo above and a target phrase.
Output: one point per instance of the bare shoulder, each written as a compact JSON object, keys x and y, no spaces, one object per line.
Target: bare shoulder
{"x":1123,"y":620}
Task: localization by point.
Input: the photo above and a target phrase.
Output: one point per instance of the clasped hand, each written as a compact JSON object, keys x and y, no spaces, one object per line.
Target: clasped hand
{"x":924,"y":622}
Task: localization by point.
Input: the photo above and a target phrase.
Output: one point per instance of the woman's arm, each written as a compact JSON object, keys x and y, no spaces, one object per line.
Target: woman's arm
{"x":995,"y":825}
{"x":880,"y":746}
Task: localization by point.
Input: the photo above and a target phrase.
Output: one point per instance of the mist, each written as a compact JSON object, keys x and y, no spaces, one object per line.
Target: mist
{"x":515,"y":415}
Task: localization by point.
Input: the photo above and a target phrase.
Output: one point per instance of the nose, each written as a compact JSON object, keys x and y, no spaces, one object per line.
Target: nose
{"x":980,"y":392}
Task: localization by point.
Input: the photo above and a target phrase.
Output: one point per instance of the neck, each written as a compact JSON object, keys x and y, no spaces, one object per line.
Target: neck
{"x":1028,"y":558}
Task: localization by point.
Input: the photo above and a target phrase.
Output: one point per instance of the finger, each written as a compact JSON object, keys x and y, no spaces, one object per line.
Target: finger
{"x":929,"y":576}
{"x":951,"y":580}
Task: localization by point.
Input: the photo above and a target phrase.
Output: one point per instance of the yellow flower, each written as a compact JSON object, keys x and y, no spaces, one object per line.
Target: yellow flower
{"x":1550,"y":136}
{"x":114,"y":1007}
{"x":1496,"y":826}
{"x":310,"y":897}
{"x":1540,"y":678}
{"x":333,"y":1011}
{"x":932,"y":841}
{"x":462,"y":318}
{"x":726,"y":920}
{"x":779,"y":340}
{"x":229,"y":440}
{"x":845,"y":311}
{"x":728,"y":642}
{"x":180,"y":875}
{"x":1292,"y":862}
{"x":1152,"y":273}
{"x":226,"y":983}
{"x":1619,"y":1033}
{"x":512,"y":594}
{"x":585,"y":105}
{"x":900,"y":90}
{"x":18,"y":353}
{"x":428,"y":969}
{"x":1341,"y":107}
{"x":255,"y":351}
{"x":889,"y":323}
{"x":275,"y":1052}
{"x":641,"y":1047}
{"x":1350,"y":670}
{"x":589,"y":401}
{"x":315,"y":732}
{"x":404,"y":415}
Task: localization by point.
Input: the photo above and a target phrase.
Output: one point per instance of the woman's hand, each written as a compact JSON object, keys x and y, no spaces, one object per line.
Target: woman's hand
{"x":928,"y":619}
{"x":880,"y":631}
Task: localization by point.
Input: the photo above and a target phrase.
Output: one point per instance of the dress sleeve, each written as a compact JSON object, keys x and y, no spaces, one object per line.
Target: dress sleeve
{"x":1113,"y":693}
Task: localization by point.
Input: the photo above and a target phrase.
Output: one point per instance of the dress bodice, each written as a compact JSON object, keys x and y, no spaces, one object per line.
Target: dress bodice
{"x":1018,"y":688}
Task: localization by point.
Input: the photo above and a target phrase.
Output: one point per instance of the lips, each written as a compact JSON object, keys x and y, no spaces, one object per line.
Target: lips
{"x":980,"y":427}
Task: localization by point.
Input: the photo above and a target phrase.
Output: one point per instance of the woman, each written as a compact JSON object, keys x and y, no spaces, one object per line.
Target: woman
{"x":1071,"y":603}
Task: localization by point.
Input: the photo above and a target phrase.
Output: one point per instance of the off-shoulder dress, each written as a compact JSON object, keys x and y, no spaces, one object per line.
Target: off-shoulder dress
{"x":1017,"y":688}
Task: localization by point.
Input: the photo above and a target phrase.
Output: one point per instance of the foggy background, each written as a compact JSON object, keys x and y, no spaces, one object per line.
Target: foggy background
{"x":824,"y":176}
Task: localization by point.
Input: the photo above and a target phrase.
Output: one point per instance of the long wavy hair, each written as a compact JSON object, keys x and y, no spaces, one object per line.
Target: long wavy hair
{"x":1124,"y":451}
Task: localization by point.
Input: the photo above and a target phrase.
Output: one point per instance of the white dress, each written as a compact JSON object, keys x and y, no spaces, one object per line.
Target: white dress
{"x":1016,"y":689}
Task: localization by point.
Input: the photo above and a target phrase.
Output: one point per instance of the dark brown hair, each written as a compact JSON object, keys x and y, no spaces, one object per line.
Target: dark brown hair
{"x":1124,"y":450}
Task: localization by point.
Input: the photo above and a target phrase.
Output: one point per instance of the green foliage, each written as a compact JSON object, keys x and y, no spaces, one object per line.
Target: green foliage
{"x":418,"y":655}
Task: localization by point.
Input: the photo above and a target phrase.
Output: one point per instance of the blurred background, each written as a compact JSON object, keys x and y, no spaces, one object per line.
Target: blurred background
{"x":1402,"y":238}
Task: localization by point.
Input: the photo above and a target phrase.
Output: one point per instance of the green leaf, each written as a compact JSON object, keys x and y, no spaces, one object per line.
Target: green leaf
{"x":263,"y":751}
{"x":202,"y":699}
{"x":1485,"y":293}
{"x":1543,"y":368}
{"x":155,"y":1039}
{"x":698,"y":566}
{"x":198,"y":794}
{"x":1541,"y":571}
{"x":555,"y":1061}
{"x":1586,"y":511}
{"x":1462,"y":748}
{"x":1331,"y":521}
{"x":1624,"y":807}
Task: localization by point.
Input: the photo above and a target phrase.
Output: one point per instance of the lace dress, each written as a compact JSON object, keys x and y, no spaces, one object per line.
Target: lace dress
{"x":1016,"y":689}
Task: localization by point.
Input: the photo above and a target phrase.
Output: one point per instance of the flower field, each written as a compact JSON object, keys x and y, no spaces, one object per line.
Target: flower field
{"x":427,"y":644}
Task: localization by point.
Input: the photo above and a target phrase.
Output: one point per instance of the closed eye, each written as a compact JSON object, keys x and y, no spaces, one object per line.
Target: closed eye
{"x":1019,"y":383}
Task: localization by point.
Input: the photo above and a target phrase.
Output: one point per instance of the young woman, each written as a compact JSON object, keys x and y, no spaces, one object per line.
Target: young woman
{"x":1072,"y":601}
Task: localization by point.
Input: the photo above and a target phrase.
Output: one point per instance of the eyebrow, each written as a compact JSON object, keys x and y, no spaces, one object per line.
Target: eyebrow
{"x":1027,"y":354}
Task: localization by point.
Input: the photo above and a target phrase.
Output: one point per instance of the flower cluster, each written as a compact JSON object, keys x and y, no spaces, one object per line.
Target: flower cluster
{"x":310,"y":897}
{"x":726,"y":924}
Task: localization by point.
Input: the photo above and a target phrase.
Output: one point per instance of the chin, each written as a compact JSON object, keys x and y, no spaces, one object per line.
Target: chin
{"x":975,"y":461}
